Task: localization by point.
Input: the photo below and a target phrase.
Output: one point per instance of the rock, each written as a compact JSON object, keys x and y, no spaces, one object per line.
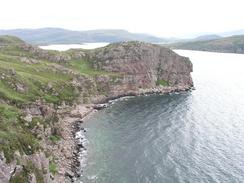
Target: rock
{"x":32,"y":178}
{"x":79,"y":121}
{"x":51,"y":176}
{"x":100,"y":106}
{"x":28,"y":118}
{"x":70,"y":174}
{"x":32,"y":109}
{"x":49,"y":86}
{"x":80,"y":145}
{"x":20,"y":88}
{"x":18,"y":169}
{"x":29,"y":60}
{"x":61,"y":172}
{"x":74,"y":179}
{"x":46,"y":110}
{"x":12,"y":72}
{"x":6,"y":170}
{"x":38,"y":109}
{"x":80,"y":111}
{"x":140,"y":66}
{"x":41,"y":162}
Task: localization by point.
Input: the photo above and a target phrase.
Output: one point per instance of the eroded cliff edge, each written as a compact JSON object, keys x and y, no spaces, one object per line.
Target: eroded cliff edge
{"x":44,"y":96}
{"x":141,"y":67}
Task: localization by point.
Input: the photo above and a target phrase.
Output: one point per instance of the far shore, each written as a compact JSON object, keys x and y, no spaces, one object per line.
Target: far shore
{"x":65,"y":47}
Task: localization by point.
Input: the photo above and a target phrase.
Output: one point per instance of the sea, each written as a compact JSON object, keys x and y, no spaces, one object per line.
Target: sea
{"x":185,"y":137}
{"x":188,"y":137}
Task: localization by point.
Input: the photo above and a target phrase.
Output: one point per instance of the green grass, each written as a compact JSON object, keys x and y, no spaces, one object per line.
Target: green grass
{"x":55,"y":138}
{"x":161,"y":82}
{"x":53,"y":167}
{"x":41,"y":71}
{"x":10,"y":40}
{"x":84,"y":67}
{"x":8,"y":113}
{"x":7,"y":93}
{"x":35,"y":77}
{"x":13,"y":134}
{"x":42,"y":80}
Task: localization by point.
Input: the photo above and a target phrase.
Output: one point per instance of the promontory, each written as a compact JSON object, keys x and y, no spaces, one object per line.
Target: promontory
{"x":44,"y":96}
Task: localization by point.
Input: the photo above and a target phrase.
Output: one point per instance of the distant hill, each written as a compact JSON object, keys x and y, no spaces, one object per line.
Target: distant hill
{"x":232,"y":33}
{"x":207,"y":37}
{"x":234,"y":44}
{"x":45,"y":36}
{"x":208,"y":42}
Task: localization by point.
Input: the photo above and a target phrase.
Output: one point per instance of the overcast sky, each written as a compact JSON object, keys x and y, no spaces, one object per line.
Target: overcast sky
{"x":166,"y":18}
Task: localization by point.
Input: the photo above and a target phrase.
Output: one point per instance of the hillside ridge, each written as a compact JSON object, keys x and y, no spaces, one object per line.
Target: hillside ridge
{"x":233,"y":44}
{"x":45,"y":36}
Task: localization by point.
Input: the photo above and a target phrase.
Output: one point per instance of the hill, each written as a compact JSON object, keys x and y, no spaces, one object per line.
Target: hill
{"x":44,"y":96}
{"x":207,"y":37}
{"x":46,"y":36}
{"x":234,"y":44}
{"x":232,"y":33}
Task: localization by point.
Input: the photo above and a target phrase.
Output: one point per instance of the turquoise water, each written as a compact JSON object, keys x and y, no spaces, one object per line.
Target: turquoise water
{"x":190,"y":137}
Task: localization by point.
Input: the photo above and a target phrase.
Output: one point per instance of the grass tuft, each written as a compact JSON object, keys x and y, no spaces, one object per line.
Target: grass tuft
{"x":161,"y":82}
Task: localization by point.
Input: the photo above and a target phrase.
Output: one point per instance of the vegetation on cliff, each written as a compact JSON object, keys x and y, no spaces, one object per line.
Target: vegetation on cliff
{"x":26,"y":78}
{"x":34,"y":83}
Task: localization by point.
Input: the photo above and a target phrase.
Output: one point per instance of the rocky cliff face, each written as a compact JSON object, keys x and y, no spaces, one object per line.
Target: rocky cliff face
{"x":43,"y":94}
{"x":142,"y":66}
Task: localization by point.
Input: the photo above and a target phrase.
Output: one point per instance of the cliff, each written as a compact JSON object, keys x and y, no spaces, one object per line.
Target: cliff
{"x":143,"y":65}
{"x":44,"y":96}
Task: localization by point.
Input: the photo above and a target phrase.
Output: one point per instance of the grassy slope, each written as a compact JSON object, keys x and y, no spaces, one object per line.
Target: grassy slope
{"x":24,"y":82}
{"x":233,"y":44}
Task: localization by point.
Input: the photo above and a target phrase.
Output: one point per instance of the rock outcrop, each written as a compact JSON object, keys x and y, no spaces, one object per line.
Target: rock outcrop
{"x":140,"y":66}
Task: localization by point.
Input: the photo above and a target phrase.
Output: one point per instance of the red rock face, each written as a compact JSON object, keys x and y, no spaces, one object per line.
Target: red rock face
{"x":142,"y":65}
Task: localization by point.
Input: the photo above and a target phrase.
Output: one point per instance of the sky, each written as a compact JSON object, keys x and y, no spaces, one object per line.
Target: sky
{"x":165,"y":18}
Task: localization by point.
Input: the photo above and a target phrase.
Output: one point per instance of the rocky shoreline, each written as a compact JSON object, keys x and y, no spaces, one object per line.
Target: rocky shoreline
{"x":79,"y":114}
{"x":68,"y":153}
{"x":71,"y":147}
